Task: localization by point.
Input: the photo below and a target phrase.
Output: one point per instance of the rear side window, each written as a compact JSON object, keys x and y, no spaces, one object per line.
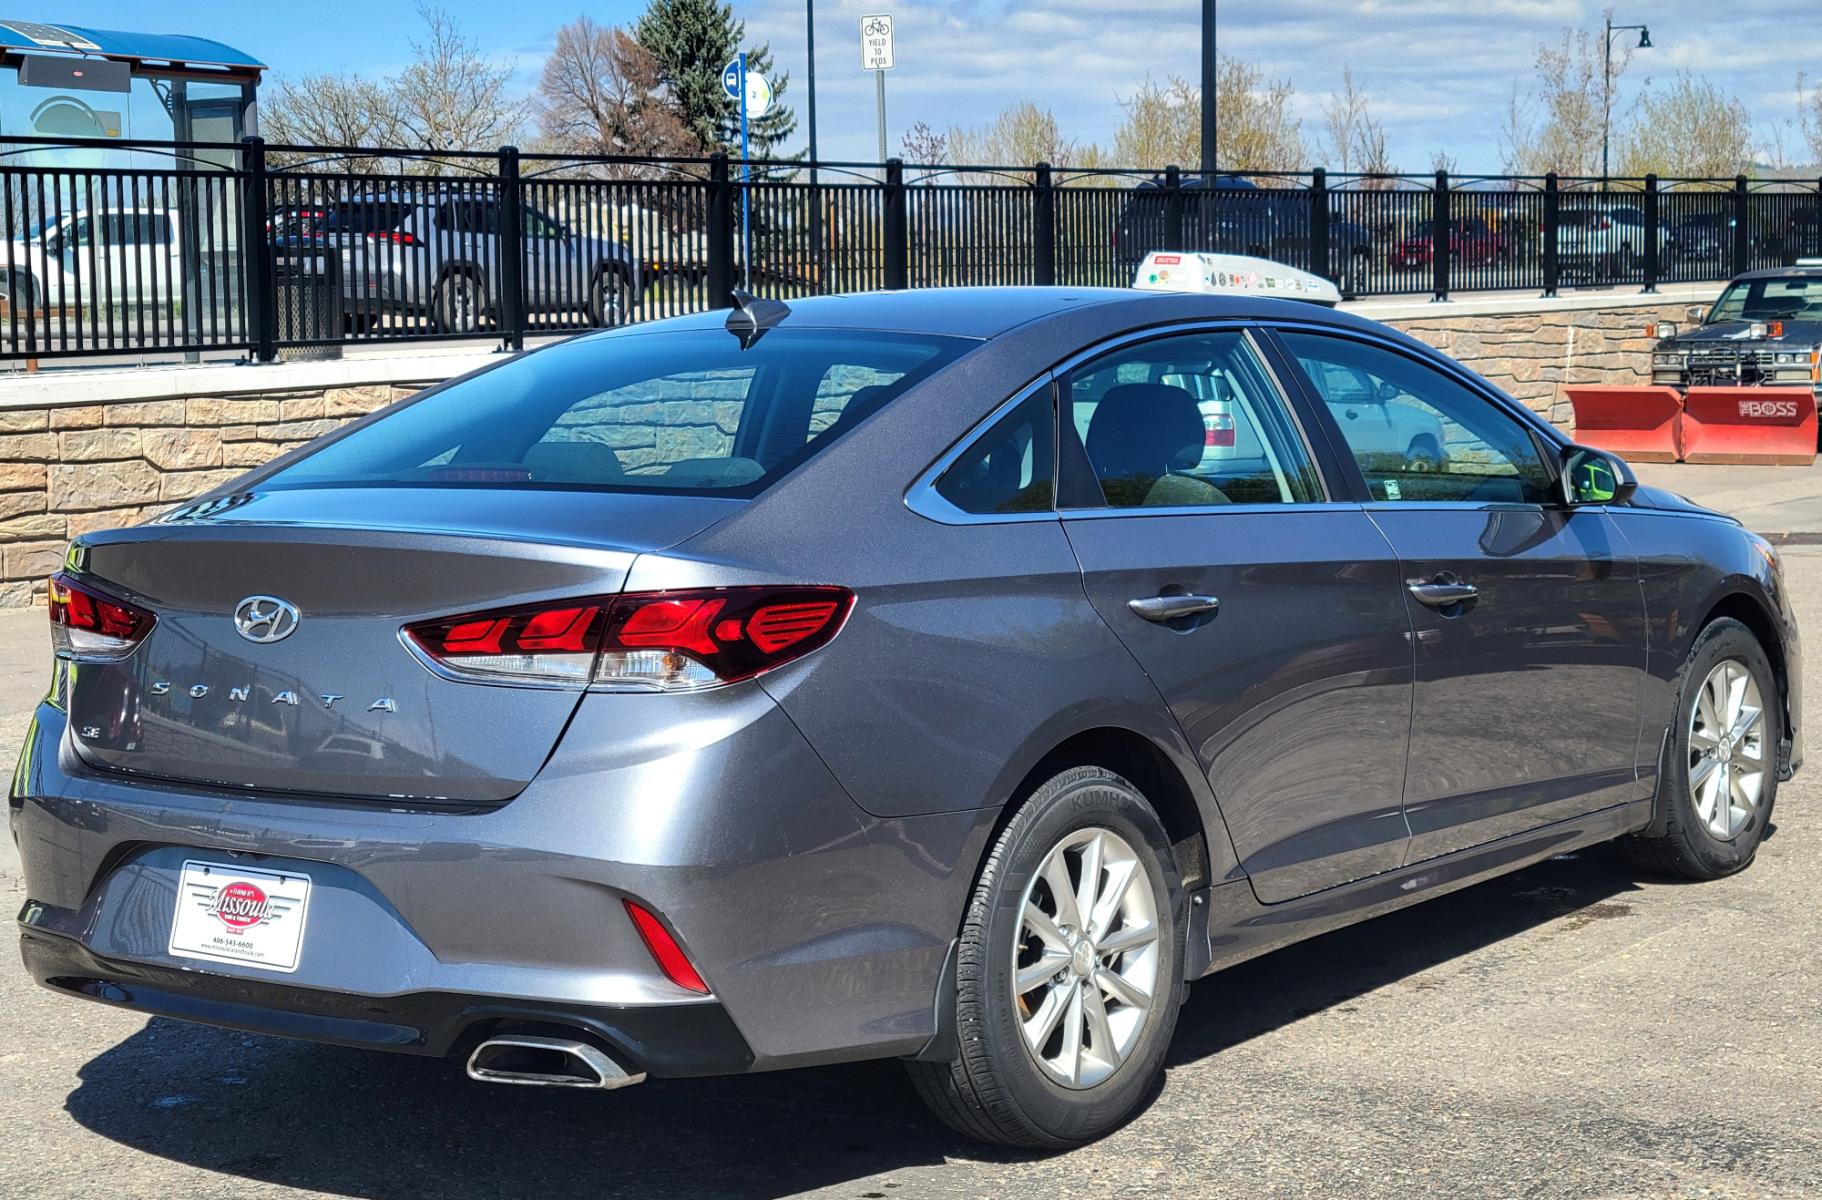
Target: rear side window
{"x":645,"y":412}
{"x":1009,"y":468}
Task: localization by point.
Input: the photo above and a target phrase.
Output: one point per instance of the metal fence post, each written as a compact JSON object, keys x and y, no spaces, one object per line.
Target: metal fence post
{"x":260,"y":302}
{"x":512,"y":252}
{"x":1043,"y":227}
{"x":1173,"y":210}
{"x":898,"y":228}
{"x":1439,"y":236}
{"x":721,"y":233}
{"x":1547,"y":234}
{"x":1652,"y":243}
{"x":1319,"y":223}
{"x":1742,"y":231}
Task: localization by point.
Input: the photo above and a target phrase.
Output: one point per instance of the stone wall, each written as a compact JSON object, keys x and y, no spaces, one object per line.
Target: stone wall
{"x":1532,"y":354}
{"x":67,"y":468}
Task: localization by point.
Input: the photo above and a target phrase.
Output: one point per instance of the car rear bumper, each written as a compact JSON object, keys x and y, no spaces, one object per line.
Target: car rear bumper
{"x":661,"y":1040}
{"x":820,"y":931}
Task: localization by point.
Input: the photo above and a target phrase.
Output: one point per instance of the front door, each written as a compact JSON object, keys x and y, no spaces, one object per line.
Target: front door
{"x":1271,"y":620}
{"x":1528,"y":615}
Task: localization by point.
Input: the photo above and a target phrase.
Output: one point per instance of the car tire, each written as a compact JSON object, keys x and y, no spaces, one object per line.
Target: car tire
{"x":457,"y":304}
{"x":1697,"y":841}
{"x":610,"y":299}
{"x":1000,"y":1087}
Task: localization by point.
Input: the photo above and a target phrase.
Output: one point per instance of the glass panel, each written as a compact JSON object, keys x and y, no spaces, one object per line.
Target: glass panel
{"x":653,"y":413}
{"x":1416,"y":433}
{"x":1009,"y":468}
{"x":1189,"y":421}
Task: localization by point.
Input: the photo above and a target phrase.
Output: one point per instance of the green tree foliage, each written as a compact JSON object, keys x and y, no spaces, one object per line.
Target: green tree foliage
{"x":691,"y":41}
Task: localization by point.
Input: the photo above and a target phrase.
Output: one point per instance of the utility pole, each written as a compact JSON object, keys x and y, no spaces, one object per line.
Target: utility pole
{"x":809,"y":22}
{"x":1208,"y":85}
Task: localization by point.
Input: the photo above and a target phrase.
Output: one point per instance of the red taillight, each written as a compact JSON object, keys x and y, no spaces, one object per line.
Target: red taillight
{"x":395,"y":236}
{"x":644,"y":641}
{"x":92,"y":625}
{"x":666,"y":952}
{"x":1220,"y":430}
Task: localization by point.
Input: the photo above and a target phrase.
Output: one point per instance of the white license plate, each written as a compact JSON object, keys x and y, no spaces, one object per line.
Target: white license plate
{"x":240,"y":915}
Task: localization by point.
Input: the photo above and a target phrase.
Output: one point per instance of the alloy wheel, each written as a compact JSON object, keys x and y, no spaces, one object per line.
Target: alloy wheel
{"x":1085,"y":965}
{"x":1727,"y":757}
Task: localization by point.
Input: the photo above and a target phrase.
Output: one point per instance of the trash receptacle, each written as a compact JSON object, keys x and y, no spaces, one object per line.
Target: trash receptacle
{"x":308,"y":292}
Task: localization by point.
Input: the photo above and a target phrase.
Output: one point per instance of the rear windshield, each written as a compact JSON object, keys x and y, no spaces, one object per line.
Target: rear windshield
{"x":653,"y":412}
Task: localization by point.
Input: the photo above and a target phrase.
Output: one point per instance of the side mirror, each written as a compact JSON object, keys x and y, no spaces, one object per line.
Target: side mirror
{"x":1695,"y":314}
{"x":1593,"y":476}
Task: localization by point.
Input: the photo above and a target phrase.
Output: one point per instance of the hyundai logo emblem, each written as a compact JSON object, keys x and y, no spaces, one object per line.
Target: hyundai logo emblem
{"x":265,"y":619}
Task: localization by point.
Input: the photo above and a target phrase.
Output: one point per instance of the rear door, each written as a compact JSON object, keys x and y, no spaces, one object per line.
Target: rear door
{"x":1528,"y":615}
{"x":1270,"y":619}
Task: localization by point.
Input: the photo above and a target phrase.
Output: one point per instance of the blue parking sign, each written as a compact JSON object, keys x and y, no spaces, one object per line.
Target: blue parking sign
{"x":730,"y":80}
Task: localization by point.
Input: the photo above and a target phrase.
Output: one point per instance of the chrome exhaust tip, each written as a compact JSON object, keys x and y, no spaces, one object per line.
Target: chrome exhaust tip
{"x":536,"y":1061}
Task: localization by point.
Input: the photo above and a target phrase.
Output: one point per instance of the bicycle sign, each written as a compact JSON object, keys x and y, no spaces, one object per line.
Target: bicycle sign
{"x":876,"y":42}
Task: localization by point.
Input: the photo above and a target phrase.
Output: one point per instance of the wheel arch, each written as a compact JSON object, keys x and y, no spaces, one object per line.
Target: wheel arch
{"x":1752,"y":611}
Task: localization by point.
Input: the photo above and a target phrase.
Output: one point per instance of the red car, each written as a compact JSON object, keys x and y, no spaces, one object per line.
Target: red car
{"x":1470,"y":243}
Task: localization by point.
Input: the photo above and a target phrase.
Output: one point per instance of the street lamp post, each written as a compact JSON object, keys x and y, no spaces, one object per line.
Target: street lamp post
{"x":1607,"y":81}
{"x":1208,"y":85}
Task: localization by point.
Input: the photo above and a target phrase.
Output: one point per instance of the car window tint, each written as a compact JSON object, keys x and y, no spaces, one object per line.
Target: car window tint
{"x":1010,"y":467}
{"x":1773,"y":299}
{"x":1420,"y":435}
{"x":1188,"y":421}
{"x":659,"y":412}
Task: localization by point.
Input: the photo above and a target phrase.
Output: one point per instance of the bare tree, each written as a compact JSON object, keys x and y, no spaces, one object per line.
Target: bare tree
{"x":1809,"y":117}
{"x":327,"y":110}
{"x":1256,"y":131}
{"x":449,"y":97}
{"x":599,"y":94}
{"x":1557,"y":126}
{"x":1442,"y":160}
{"x":1342,"y":114}
{"x":1023,"y":134}
{"x":1690,"y":128}
{"x":1163,"y":126}
{"x":924,"y":146}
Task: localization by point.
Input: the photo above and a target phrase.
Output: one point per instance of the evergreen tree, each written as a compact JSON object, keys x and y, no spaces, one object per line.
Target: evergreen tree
{"x":692,"y":40}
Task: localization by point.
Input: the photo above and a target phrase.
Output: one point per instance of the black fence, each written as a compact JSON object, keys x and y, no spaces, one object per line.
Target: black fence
{"x":157,"y":248}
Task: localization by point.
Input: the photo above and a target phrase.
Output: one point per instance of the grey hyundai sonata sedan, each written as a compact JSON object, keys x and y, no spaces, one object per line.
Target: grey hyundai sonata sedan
{"x":951,"y":676}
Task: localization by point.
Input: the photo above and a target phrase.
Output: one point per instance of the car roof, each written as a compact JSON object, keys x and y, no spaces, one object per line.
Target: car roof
{"x":984,"y":312}
{"x":1779,"y":273}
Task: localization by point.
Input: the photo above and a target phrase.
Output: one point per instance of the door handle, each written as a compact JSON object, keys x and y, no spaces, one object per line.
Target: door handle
{"x":1444,"y":591}
{"x":1170,"y":608}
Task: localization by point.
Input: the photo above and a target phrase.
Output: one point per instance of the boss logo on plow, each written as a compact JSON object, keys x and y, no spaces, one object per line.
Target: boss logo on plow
{"x":1768,"y":408}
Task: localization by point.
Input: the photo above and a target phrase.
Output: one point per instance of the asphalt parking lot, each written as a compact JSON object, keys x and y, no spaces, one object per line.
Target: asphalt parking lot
{"x":1576,"y":1030}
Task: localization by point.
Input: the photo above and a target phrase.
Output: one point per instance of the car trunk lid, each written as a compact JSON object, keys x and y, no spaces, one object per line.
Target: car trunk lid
{"x":340,"y":706}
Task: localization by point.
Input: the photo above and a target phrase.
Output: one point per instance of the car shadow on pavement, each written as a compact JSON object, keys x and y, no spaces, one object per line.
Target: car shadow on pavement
{"x":368,"y":1124}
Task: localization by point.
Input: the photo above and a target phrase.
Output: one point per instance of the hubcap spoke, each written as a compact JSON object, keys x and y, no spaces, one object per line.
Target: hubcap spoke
{"x":1119,"y":880}
{"x":1116,"y":985}
{"x":1131,"y":937}
{"x":1088,"y":887}
{"x":1073,"y":1029}
{"x":1041,"y":1024}
{"x":1039,"y":922}
{"x":1041,"y":971}
{"x":1062,"y":891}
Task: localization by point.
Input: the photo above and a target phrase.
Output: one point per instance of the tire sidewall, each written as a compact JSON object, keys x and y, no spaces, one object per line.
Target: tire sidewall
{"x":1078,"y":800}
{"x":1726,"y":639}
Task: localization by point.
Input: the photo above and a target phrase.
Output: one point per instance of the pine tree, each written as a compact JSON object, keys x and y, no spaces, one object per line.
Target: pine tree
{"x":692,"y":40}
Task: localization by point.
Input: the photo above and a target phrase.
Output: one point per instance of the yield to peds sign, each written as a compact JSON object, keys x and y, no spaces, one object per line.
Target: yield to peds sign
{"x":876,"y":42}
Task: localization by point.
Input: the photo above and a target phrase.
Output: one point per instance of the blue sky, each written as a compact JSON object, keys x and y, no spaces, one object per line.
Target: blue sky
{"x":1439,"y":71}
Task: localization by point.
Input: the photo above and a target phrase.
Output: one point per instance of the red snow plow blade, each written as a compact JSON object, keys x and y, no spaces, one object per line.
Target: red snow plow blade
{"x":1773,"y":426}
{"x":1641,"y":424}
